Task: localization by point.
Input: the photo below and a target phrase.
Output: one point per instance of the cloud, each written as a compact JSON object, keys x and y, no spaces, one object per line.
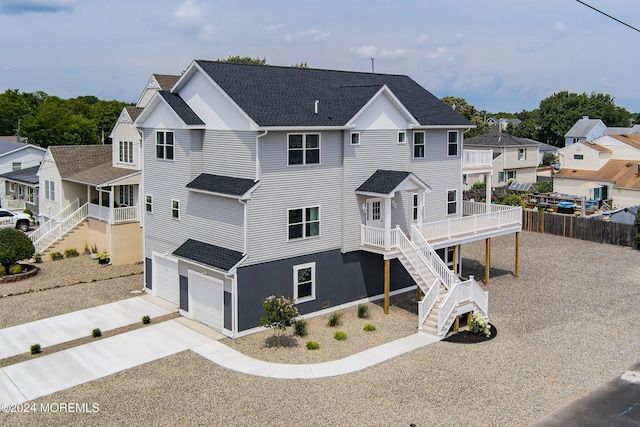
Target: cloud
{"x":274,"y":28}
{"x":558,"y":32}
{"x":372,"y":51}
{"x":189,"y":17}
{"x":308,"y":36}
{"x":19,"y":7}
{"x":422,"y":39}
{"x":438,"y":53}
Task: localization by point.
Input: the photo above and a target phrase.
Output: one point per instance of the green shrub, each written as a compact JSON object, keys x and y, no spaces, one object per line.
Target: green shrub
{"x":55,"y":255}
{"x":146,"y":319}
{"x":14,"y":246}
{"x":312,"y":345}
{"x":300,"y":327}
{"x":369,"y":327}
{"x":340,"y":336}
{"x":15,"y":269}
{"x":480,"y":325}
{"x":513,"y":200}
{"x":70,"y":252}
{"x":28,"y":212}
{"x":96,"y":333}
{"x":335,"y":319}
{"x":3,"y":271}
{"x":35,"y":349}
{"x":363,"y":311}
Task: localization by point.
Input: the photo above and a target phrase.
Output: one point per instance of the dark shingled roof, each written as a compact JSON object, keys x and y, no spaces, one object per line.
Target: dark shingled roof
{"x":498,"y":139}
{"x":166,"y":81}
{"x":383,"y":181}
{"x":72,"y":159}
{"x":26,"y":176}
{"x":133,"y":112}
{"x":188,"y":116}
{"x":221,"y":184}
{"x":285,"y":96}
{"x":207,"y":254}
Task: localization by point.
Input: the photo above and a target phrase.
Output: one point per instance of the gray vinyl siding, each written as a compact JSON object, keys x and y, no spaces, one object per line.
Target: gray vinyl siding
{"x":379,"y":149}
{"x":230,"y":153}
{"x":284,"y":187}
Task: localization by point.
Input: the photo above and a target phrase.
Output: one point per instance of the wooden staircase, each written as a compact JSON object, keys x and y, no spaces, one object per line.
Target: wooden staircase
{"x":61,"y":244}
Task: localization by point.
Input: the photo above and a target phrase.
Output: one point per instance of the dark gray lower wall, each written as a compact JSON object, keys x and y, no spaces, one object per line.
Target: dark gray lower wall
{"x":340,"y":278}
{"x":184,"y":293}
{"x":147,"y":272}
{"x":228,"y":319}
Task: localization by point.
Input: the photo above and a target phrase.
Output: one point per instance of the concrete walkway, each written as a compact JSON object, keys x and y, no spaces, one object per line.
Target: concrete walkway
{"x":67,"y":368}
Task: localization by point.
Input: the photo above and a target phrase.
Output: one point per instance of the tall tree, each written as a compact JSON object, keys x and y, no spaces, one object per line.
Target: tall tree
{"x":469,"y":112}
{"x":560,"y":111}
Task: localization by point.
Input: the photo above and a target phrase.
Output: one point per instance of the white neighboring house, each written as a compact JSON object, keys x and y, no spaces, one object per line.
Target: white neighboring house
{"x":605,"y":170}
{"x":15,"y":156}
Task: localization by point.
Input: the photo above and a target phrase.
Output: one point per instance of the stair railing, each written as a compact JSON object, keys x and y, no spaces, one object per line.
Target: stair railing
{"x":62,"y":228}
{"x":54,"y":221}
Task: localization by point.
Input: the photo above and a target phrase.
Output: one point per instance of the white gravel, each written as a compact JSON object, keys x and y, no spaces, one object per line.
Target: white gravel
{"x":566,"y":325}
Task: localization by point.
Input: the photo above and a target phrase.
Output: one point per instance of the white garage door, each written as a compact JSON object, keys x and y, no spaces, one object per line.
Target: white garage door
{"x":206,"y":299}
{"x":166,"y":280}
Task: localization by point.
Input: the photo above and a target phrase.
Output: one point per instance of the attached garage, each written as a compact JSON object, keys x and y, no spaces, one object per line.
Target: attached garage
{"x":166,"y":281}
{"x":206,"y":299}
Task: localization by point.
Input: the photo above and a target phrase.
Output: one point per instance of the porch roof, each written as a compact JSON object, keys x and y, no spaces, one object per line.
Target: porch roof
{"x":102,"y":175}
{"x":208,"y":254}
{"x":387,"y":182}
{"x":27,"y":176}
{"x":223,"y":185}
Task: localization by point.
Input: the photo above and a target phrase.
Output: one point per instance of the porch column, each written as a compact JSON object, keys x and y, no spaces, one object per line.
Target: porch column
{"x":517,"y":253}
{"x":487,"y":263}
{"x":387,"y":285}
{"x":387,"y":223}
{"x":420,"y":208}
{"x":487,"y":191}
{"x":455,"y":259}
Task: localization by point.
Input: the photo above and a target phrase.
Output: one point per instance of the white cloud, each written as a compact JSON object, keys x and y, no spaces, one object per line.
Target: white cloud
{"x":190,"y":18}
{"x":372,"y":51}
{"x":274,"y":28}
{"x":308,"y":36}
{"x":16,"y":7}
{"x":422,"y":39}
{"x":438,"y":53}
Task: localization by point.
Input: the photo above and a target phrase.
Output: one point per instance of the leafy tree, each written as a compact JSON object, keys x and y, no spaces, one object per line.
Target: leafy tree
{"x":279,"y":313}
{"x":14,"y":246}
{"x":545,"y":186}
{"x":245,"y":60}
{"x":14,"y":106}
{"x":469,"y":112}
{"x":560,"y":111}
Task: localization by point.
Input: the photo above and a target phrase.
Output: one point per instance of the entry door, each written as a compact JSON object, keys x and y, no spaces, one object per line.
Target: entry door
{"x":374,"y":213}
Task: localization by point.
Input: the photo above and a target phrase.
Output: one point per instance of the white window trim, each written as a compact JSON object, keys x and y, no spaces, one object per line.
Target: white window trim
{"x":48,"y":187}
{"x":164,"y":157}
{"x":173,"y":209}
{"x":455,"y":201}
{"x":352,"y":135}
{"x":125,"y":152}
{"x":402,"y":140}
{"x":522,"y":151}
{"x":150,"y":203}
{"x":304,"y":149}
{"x":424,"y":144}
{"x":304,"y":224}
{"x":457,"y":143}
{"x":296,"y":268}
{"x":415,"y":203}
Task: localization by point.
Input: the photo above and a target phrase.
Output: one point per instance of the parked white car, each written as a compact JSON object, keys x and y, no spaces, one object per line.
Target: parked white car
{"x":18,"y":220}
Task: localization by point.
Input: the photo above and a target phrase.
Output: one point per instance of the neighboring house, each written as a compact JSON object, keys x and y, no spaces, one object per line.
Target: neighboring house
{"x":22,"y":186}
{"x":620,"y":216}
{"x":605,"y":170}
{"x":546,"y":149}
{"x":515,"y":159}
{"x":15,"y":156}
{"x":501,"y":124}
{"x":585,"y":129}
{"x":101,"y":184}
{"x":262,"y":180}
{"x":621,"y":130}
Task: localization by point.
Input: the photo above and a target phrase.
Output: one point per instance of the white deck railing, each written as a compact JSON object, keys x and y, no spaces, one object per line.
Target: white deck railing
{"x":54,"y":221}
{"x":119,"y":215}
{"x":477,"y":158}
{"x":13,"y":204}
{"x":469,"y":291}
{"x":60,"y":229}
{"x":442,"y":270}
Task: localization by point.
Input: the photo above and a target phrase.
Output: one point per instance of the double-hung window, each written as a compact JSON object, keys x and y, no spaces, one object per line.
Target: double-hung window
{"x":125,"y":152}
{"x":16,"y":166}
{"x":304,"y":282}
{"x":164,"y":145}
{"x":522,"y":153}
{"x":304,"y":149}
{"x":50,"y":190}
{"x":303,"y":222}
{"x":414,"y":206}
{"x":148,"y":203}
{"x":452,"y":202}
{"x":452,"y":143}
{"x":418,"y":145}
{"x":175,"y":209}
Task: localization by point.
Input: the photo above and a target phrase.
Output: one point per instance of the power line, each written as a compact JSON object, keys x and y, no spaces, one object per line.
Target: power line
{"x":609,"y":16}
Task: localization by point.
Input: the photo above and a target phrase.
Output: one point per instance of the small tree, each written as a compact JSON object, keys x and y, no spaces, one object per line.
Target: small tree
{"x":637,"y":224}
{"x":14,"y":246}
{"x":279,"y":313}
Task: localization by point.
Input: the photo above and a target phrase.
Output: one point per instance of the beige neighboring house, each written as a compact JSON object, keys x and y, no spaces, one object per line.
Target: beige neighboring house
{"x":605,"y":170}
{"x":92,"y":194}
{"x":514,"y":158}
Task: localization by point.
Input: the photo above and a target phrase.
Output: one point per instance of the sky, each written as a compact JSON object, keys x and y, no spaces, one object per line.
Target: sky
{"x":500,"y":55}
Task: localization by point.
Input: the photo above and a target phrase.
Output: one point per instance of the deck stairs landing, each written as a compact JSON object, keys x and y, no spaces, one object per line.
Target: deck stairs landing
{"x":59,"y":226}
{"x":446,"y":296}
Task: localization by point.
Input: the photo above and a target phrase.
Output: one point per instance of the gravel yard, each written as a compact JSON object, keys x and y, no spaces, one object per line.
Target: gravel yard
{"x":566,"y":325}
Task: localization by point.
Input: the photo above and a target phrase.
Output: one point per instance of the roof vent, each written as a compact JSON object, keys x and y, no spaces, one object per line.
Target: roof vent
{"x":315,"y":106}
{"x":585,"y":117}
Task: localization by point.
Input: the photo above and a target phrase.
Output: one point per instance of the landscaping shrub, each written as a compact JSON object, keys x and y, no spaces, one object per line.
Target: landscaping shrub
{"x":35,"y":349}
{"x":340,"y":336}
{"x":369,"y":327}
{"x":14,"y":246}
{"x":335,"y":319}
{"x":28,"y":212}
{"x":279,"y":313}
{"x":513,"y":200}
{"x":300,"y":327}
{"x":70,"y":252}
{"x":363,"y":311}
{"x":312,"y":345}
{"x":3,"y":271}
{"x":96,"y":333}
{"x":146,"y":319}
{"x":480,"y":325}
{"x":15,"y":269}
{"x":55,"y":255}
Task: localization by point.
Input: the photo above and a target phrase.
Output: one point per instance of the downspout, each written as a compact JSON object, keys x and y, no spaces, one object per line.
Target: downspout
{"x":142,"y":209}
{"x":258,"y":154}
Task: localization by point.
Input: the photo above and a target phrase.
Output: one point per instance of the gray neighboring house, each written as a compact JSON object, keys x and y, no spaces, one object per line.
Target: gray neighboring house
{"x":15,"y":156}
{"x":264,"y":180}
{"x":23,"y":185}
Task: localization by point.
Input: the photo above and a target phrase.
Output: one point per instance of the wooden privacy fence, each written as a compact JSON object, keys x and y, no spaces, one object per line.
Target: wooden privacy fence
{"x":581,"y":228}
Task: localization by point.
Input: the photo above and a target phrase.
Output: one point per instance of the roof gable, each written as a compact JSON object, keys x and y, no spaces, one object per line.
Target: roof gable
{"x":72,"y":159}
{"x":387,"y":182}
{"x":178,"y":109}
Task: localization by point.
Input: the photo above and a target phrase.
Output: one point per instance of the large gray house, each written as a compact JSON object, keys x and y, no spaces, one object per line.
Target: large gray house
{"x":262,"y":180}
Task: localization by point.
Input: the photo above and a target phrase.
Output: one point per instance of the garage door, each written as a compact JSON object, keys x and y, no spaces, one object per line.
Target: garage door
{"x":206,"y":299}
{"x":166,"y":281}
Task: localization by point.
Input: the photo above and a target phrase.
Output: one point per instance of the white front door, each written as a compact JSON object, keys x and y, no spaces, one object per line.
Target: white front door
{"x":374,"y":213}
